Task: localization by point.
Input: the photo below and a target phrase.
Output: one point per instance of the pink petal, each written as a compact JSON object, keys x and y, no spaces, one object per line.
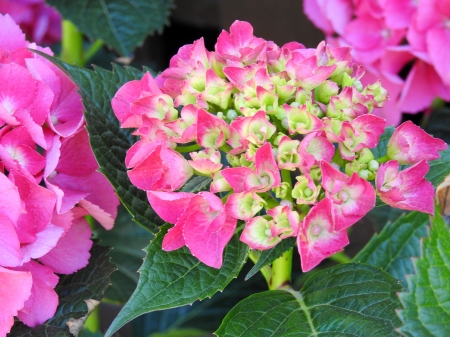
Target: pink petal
{"x":10,"y":254}
{"x":15,"y":290}
{"x":72,"y":251}
{"x":169,"y":205}
{"x":43,"y":301}
{"x":208,"y":229}
{"x":317,"y":239}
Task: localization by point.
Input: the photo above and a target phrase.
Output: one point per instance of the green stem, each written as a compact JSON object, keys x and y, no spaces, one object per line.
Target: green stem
{"x":225,"y":148}
{"x":270,"y":201}
{"x":281,"y":271}
{"x":92,"y":50}
{"x":190,"y":148}
{"x":383,"y":159}
{"x":72,"y":44}
{"x":286,"y":177}
{"x":265,"y":271}
{"x":340,"y":257}
{"x":93,"y":321}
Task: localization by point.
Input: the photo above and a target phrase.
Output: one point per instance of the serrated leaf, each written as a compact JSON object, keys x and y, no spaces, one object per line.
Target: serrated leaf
{"x":381,"y":149}
{"x":396,"y":244}
{"x":21,"y":330}
{"x":87,"y":283}
{"x":173,"y":279}
{"x":109,"y":142}
{"x":345,"y":300}
{"x":267,"y":256}
{"x":121,"y":24}
{"x":427,"y":304}
{"x":197,"y":184}
{"x":127,"y":242}
{"x":439,"y":168}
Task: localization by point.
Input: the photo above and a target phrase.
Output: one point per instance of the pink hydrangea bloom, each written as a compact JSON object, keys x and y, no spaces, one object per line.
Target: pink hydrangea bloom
{"x":40,"y":22}
{"x":388,"y":36}
{"x":252,"y":116}
{"x":48,"y":178}
{"x":407,"y":189}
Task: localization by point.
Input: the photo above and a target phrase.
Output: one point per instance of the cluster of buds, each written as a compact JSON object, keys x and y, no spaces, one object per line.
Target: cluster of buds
{"x":286,"y":135}
{"x":48,"y":181}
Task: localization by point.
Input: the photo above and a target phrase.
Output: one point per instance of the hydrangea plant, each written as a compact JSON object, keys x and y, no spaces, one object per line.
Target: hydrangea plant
{"x":244,"y":152}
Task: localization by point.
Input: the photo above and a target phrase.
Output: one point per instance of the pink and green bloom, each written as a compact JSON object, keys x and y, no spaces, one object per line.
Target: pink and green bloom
{"x":284,"y":133}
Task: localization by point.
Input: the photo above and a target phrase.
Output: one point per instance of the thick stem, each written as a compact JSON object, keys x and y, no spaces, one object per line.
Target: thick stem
{"x":93,"y":321}
{"x":72,"y":44}
{"x":281,"y":271}
{"x":286,"y":177}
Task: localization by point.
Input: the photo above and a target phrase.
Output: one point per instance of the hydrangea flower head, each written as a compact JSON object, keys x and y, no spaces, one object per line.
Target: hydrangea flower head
{"x":285,"y":133}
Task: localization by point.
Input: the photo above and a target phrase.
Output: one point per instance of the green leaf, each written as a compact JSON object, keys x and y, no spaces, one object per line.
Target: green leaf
{"x":173,"y":279}
{"x":181,"y":333}
{"x":197,"y":184}
{"x":427,"y":305}
{"x":439,"y":168}
{"x":128,"y":242}
{"x":87,"y":283}
{"x":267,"y":256}
{"x":381,"y":149}
{"x":396,"y":244}
{"x":108,"y":140}
{"x":121,"y":24}
{"x":346,"y":300}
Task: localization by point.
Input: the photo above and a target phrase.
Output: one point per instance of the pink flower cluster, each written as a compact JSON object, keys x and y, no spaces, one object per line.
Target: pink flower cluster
{"x":272,"y":114}
{"x":48,"y":181}
{"x":388,"y":36}
{"x":40,"y":22}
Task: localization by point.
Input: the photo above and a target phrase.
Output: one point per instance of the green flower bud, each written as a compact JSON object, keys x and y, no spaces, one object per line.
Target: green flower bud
{"x":232,"y":114}
{"x":373,"y":165}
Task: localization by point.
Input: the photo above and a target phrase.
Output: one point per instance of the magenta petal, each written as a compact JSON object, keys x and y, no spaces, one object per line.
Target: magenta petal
{"x":237,"y":177}
{"x":208,"y":229}
{"x":15,"y":290}
{"x":42,"y":303}
{"x":45,"y":240}
{"x":72,"y":251}
{"x":10,"y":254}
{"x":169,"y":205}
{"x":10,"y":203}
{"x":317,"y":239}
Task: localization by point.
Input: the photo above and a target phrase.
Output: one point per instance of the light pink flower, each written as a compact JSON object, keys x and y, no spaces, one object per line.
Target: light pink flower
{"x":318,"y":238}
{"x":351,"y":197}
{"x":410,"y":144}
{"x":407,"y":189}
{"x":201,"y":223}
{"x":212,"y":132}
{"x":258,"y":234}
{"x":267,"y":174}
{"x":239,"y":46}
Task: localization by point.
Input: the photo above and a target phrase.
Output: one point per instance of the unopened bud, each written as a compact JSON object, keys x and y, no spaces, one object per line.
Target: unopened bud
{"x":374,"y":165}
{"x":232,"y":114}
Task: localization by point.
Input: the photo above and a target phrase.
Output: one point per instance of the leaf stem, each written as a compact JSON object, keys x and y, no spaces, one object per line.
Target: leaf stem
{"x":265,"y":271}
{"x":189,"y":148}
{"x":281,"y":271}
{"x":92,"y":50}
{"x":383,"y":159}
{"x":72,"y":44}
{"x":286,"y":177}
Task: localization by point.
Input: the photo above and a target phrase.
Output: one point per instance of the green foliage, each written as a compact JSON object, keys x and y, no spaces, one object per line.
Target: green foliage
{"x":121,"y":24}
{"x":109,"y":142}
{"x":173,"y":279}
{"x":427,"y":305}
{"x":128,"y":242}
{"x":345,"y":300}
{"x":393,"y":248}
{"x":87,"y":283}
{"x":381,"y":149}
{"x":267,"y":256}
{"x":439,"y":168}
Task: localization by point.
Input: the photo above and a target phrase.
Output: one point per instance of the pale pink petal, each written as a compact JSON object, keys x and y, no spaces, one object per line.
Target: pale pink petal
{"x":15,"y":290}
{"x":42,"y":303}
{"x":72,"y":250}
